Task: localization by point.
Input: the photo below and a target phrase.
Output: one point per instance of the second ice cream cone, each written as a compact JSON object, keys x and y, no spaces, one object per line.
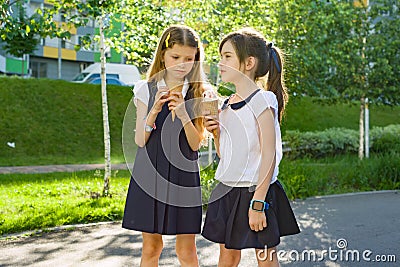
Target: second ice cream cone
{"x":210,"y":108}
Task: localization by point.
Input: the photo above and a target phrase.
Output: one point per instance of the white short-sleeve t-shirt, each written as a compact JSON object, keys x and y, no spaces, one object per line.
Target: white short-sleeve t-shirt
{"x":239,"y":141}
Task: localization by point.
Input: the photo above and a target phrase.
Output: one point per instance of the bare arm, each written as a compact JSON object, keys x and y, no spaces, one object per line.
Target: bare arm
{"x":142,"y":118}
{"x":141,"y":136}
{"x":193,"y":133}
{"x":257,"y":220}
{"x":267,"y":144}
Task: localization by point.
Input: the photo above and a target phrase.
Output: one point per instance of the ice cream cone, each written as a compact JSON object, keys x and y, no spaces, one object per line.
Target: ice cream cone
{"x":209,"y":107}
{"x":175,"y":89}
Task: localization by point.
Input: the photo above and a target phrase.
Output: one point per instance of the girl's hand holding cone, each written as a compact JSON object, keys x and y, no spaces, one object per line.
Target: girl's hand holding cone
{"x":211,"y":123}
{"x":176,"y":103}
{"x":210,"y":112}
{"x":160,"y":98}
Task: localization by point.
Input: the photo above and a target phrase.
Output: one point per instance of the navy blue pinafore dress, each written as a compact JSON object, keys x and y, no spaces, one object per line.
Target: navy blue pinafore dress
{"x":164,"y":194}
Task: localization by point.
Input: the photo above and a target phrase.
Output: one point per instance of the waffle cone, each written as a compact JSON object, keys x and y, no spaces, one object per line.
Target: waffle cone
{"x":175,"y":89}
{"x":210,"y":107}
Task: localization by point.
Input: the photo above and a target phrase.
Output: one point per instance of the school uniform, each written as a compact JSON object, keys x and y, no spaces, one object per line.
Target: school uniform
{"x":164,"y":194}
{"x":227,"y":219}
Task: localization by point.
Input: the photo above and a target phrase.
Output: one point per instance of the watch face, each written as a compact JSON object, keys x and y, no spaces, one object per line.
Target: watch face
{"x":148,"y":128}
{"x":257,"y":205}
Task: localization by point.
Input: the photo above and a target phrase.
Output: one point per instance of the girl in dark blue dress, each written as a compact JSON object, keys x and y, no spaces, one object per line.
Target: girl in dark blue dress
{"x":164,"y":196}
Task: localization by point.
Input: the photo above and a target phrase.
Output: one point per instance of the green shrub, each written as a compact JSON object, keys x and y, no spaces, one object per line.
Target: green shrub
{"x":208,"y":182}
{"x":330,"y":142}
{"x":336,"y":141}
{"x":384,"y":139}
{"x":294,"y":186}
{"x":226,"y":89}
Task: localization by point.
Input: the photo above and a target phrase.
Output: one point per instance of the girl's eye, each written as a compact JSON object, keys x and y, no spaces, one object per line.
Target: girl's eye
{"x":175,"y":57}
{"x":190,"y":59}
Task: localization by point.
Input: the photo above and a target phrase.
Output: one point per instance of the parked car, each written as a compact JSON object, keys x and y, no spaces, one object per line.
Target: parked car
{"x":128,"y":74}
{"x":112,"y":81}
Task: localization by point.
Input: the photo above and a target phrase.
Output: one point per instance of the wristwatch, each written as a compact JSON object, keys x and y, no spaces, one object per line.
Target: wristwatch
{"x":258,"y":205}
{"x":148,"y":128}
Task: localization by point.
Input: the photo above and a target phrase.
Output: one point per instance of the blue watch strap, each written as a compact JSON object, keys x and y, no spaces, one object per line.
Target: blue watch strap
{"x":149,"y":128}
{"x":264,"y":207}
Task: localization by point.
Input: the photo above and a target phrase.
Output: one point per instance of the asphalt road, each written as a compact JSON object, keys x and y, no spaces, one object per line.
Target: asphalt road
{"x":343,"y":230}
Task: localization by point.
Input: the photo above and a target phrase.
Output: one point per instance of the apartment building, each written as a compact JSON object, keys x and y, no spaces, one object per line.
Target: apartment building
{"x":44,"y":62}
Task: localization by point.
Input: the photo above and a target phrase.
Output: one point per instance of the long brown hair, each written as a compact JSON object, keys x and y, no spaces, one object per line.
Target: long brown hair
{"x":182,"y":35}
{"x":269,"y":72}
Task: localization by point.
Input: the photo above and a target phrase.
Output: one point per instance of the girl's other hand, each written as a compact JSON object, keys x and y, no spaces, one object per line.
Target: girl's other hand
{"x":160,"y":98}
{"x":177,"y":104}
{"x":211,"y":124}
{"x":257,"y":220}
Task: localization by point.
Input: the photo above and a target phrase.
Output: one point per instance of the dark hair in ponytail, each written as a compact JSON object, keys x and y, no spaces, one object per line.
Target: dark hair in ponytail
{"x":248,"y":42}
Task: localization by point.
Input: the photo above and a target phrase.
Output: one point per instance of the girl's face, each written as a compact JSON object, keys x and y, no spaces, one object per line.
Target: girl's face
{"x":179,"y":60}
{"x":229,"y":64}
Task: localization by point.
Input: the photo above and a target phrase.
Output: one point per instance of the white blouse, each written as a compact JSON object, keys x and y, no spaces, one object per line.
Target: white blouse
{"x":239,"y":141}
{"x":141,"y":90}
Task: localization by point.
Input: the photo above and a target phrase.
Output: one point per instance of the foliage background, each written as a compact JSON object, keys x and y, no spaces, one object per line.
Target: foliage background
{"x":334,"y":49}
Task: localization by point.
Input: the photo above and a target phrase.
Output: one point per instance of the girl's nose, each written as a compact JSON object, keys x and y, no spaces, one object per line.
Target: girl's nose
{"x":181,"y":65}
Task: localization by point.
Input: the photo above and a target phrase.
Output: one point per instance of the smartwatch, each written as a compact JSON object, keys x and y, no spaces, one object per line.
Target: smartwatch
{"x":148,"y":128}
{"x":258,"y":205}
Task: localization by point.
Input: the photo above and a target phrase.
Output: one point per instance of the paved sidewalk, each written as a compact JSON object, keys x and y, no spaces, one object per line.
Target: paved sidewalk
{"x":203,"y":160}
{"x":59,"y":168}
{"x":367,"y":224}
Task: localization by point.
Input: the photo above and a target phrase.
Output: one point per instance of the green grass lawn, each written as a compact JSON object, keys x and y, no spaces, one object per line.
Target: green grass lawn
{"x":306,"y":114}
{"x":37,"y":201}
{"x":340,"y":174}
{"x":58,"y":122}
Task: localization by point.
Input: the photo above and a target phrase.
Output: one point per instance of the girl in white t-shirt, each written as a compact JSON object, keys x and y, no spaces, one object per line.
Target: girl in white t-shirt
{"x":249,"y":208}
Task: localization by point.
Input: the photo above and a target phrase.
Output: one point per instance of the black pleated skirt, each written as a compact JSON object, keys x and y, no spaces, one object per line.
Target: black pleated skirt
{"x":146,"y":213}
{"x":227,"y":220}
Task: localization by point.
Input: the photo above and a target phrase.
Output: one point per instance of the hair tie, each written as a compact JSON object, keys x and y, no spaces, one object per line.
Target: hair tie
{"x":167,"y":39}
{"x":274,"y":56}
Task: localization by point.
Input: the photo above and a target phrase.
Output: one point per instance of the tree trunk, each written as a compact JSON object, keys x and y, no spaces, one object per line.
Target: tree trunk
{"x":361,"y":143}
{"x":106,"y":126}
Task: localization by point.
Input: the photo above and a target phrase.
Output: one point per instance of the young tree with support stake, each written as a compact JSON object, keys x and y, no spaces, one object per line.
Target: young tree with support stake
{"x":79,"y":13}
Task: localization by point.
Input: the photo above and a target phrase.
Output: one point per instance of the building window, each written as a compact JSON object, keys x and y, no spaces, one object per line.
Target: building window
{"x":39,"y":69}
{"x":63,"y":17}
